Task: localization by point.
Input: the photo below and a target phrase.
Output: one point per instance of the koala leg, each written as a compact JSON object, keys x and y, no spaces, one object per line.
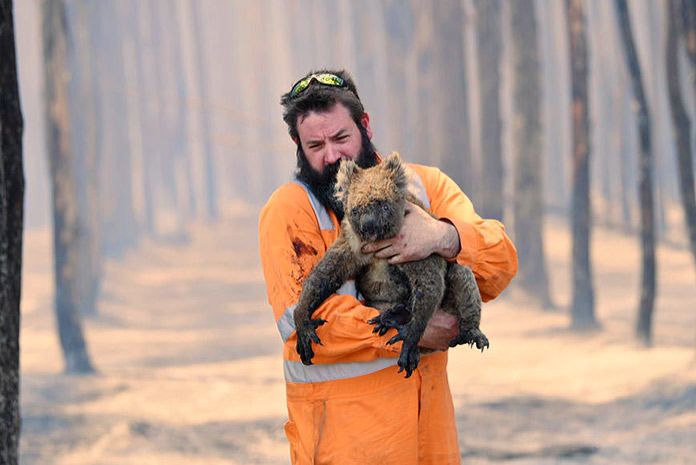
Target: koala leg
{"x":426,"y":294}
{"x":462,"y":298}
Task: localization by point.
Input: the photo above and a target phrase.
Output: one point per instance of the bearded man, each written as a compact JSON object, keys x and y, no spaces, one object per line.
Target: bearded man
{"x":352,"y":406}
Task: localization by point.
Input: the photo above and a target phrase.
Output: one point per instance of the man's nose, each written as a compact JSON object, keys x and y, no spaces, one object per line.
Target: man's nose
{"x":332,"y":154}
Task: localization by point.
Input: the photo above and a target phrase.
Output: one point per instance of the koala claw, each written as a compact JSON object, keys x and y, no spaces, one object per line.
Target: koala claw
{"x":395,"y":317}
{"x":472,"y":337}
{"x":305,"y":337}
{"x":400,"y":336}
{"x":409,"y":358}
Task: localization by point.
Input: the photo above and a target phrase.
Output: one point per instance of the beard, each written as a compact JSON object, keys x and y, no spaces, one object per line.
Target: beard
{"x":322,"y":183}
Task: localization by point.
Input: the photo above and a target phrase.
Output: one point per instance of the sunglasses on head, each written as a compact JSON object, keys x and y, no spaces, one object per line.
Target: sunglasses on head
{"x":326,"y":79}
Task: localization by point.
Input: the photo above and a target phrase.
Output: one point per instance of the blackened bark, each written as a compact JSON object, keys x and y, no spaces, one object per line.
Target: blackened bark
{"x":86,"y":124}
{"x":452,"y":141}
{"x":11,"y":225}
{"x":65,"y":210}
{"x":529,"y":205}
{"x":147,"y":109}
{"x":490,"y":46}
{"x":399,"y":43}
{"x":211,"y":190}
{"x":582,"y":311}
{"x":680,"y":122}
{"x":645,"y":195}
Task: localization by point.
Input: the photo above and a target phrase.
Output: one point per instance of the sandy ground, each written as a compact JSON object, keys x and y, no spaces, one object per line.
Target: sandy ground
{"x":189,"y":365}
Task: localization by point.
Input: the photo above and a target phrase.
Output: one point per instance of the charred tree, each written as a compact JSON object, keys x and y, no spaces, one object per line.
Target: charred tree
{"x":452,"y":141}
{"x":582,"y":310}
{"x":181,"y":162}
{"x":529,"y":204}
{"x":85,"y":121}
{"x":118,"y":224}
{"x":488,"y":34}
{"x":66,"y":227}
{"x":210,"y":179}
{"x":680,"y":119}
{"x":645,"y":195}
{"x":148,"y":106}
{"x":399,"y":42}
{"x":11,"y":226}
{"x":423,"y":127}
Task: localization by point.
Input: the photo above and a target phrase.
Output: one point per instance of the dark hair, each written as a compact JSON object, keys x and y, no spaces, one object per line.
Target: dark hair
{"x":319,"y":97}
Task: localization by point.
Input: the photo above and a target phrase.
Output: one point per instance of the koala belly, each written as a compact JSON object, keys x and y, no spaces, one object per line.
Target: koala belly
{"x":383,"y":285}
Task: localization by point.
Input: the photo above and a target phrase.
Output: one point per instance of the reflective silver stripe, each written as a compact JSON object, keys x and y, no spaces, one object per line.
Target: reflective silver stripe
{"x":296,"y":372}
{"x":322,"y":213}
{"x":286,"y":323}
{"x":416,"y":186}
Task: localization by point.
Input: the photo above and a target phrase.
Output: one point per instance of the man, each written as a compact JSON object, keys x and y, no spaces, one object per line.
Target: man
{"x":351,"y":406}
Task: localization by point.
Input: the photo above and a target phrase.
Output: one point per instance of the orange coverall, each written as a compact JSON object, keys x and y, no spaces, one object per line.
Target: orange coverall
{"x":351,"y":406}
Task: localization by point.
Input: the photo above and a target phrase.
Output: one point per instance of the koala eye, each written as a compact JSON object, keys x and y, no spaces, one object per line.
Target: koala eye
{"x":355,"y":211}
{"x":386,"y":207}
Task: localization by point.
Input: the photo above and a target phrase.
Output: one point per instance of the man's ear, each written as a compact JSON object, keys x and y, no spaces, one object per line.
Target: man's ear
{"x":347,"y":170}
{"x":365,"y":121}
{"x":295,"y":140}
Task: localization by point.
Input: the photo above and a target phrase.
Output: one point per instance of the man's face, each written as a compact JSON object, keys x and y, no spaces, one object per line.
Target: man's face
{"x":331,"y":136}
{"x":326,"y":138}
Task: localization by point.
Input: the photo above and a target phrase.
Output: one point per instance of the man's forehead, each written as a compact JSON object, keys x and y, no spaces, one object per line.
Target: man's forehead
{"x":333,"y":120}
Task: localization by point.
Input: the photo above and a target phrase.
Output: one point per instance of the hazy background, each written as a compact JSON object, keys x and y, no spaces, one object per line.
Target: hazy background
{"x":172,"y":126}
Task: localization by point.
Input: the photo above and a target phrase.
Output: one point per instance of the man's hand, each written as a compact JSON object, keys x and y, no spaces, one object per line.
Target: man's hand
{"x":420,"y":236}
{"x":441,"y":329}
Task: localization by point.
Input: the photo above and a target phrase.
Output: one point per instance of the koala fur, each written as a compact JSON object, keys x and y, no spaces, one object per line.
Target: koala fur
{"x":406,"y":295}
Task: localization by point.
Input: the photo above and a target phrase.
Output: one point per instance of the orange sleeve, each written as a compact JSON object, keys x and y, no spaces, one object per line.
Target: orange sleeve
{"x":485,"y":247}
{"x":290,"y":245}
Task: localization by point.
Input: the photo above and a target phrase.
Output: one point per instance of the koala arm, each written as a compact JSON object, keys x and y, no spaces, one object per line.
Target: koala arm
{"x":485,"y":247}
{"x":290,"y":246}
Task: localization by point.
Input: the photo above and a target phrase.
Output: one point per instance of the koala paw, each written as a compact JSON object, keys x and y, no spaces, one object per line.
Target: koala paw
{"x":472,"y":337}
{"x":395,"y":317}
{"x":400,"y":335}
{"x":305,"y":336}
{"x":409,"y":358}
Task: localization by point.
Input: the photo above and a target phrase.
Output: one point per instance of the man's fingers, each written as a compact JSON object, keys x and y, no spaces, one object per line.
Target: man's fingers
{"x":378,"y":247}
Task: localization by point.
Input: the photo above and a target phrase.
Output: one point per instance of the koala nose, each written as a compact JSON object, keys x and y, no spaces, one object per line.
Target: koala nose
{"x":369,"y":227}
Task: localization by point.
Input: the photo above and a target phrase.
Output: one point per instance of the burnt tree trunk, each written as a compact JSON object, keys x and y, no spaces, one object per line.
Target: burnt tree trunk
{"x":399,"y":25}
{"x":199,"y":56}
{"x":85,"y":117}
{"x":645,"y":195}
{"x":582,"y":310}
{"x":680,"y":119}
{"x":11,"y":225}
{"x":452,"y":141}
{"x":489,"y":33}
{"x":65,"y":209}
{"x":529,"y":204}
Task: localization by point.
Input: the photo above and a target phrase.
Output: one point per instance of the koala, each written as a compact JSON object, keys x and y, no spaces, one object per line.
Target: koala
{"x":407,"y":294}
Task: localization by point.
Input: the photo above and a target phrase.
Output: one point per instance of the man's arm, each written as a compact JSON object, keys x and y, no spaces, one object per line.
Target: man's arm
{"x":460,"y":233}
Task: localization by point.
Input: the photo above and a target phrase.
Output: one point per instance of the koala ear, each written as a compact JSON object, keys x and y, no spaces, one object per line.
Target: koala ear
{"x":395,"y":169}
{"x":346,"y":171}
{"x":393,"y":161}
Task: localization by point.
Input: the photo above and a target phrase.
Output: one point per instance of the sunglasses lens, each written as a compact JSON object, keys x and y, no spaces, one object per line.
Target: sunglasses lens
{"x":326,"y":79}
{"x":330,"y":79}
{"x":300,"y":86}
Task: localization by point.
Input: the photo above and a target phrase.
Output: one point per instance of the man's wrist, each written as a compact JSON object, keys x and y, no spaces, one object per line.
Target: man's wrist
{"x":450,"y":243}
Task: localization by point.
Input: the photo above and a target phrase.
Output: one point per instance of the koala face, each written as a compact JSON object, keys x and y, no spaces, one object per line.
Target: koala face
{"x":374,"y":199}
